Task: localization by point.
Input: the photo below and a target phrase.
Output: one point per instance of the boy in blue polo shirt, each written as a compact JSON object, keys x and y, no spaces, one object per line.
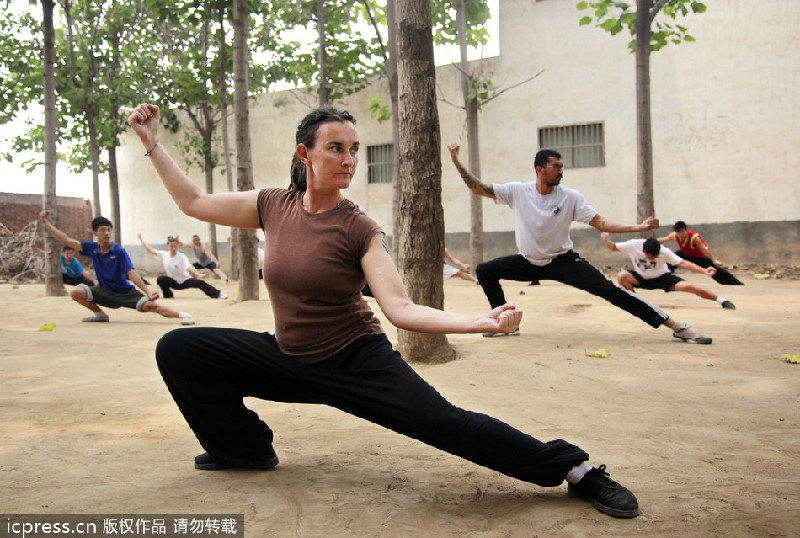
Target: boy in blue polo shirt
{"x":113,"y":268}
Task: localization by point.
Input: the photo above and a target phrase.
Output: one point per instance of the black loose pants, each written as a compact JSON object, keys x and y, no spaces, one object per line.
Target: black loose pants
{"x":722,"y":276}
{"x":570,"y":269}
{"x":167,"y":284}
{"x":210,"y":370}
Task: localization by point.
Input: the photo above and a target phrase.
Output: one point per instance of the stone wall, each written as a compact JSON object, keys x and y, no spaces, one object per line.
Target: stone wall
{"x":74,"y":214}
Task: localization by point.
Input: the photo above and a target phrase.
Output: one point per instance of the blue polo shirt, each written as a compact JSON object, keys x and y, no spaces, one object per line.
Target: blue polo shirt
{"x":111,"y":267}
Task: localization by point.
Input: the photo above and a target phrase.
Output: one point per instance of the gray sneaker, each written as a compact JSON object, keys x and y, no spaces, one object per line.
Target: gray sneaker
{"x":492,"y":335}
{"x":101,"y":317}
{"x":685,"y":333}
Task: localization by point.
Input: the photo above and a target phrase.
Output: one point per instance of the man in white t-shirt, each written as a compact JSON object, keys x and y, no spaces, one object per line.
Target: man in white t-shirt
{"x":181,"y":274}
{"x":543,"y":211}
{"x":651,"y":269}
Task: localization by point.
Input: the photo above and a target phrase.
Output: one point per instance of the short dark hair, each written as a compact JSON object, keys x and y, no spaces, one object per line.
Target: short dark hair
{"x":651,"y":246}
{"x":171,"y":239}
{"x":543,"y":156}
{"x":66,"y":248}
{"x":100,"y":221}
{"x":678,"y":226}
{"x":307,"y":135}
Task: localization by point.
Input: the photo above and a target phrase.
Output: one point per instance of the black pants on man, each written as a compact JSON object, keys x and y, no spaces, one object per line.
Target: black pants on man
{"x":210,"y":370}
{"x":570,"y":269}
{"x":167,"y":284}
{"x":721,"y":276}
{"x":75,"y":280}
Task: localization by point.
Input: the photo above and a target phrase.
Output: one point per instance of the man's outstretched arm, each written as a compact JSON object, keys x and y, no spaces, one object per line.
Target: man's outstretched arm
{"x":60,"y":236}
{"x":473,"y":183}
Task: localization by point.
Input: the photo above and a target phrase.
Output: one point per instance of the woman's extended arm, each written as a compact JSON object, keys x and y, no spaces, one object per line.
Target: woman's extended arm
{"x":238,"y":209}
{"x":387,"y":288}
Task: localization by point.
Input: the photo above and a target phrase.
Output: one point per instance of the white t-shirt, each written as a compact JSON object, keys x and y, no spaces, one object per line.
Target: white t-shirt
{"x":542,"y":221}
{"x":177,"y":267}
{"x":646,"y":267}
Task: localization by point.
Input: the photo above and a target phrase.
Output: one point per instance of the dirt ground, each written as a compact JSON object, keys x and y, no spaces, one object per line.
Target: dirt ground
{"x":707,"y":437}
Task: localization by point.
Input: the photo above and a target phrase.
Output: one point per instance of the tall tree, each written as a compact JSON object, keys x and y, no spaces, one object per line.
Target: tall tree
{"x":613,"y":17}
{"x":248,"y":241}
{"x":223,"y":109}
{"x":421,"y":235}
{"x":469,"y":81}
{"x":84,"y":47}
{"x":53,"y":282}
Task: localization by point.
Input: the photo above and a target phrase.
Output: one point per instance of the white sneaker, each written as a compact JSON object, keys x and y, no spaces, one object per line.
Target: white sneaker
{"x":186,"y":319}
{"x":96,"y":317}
{"x":222,"y":295}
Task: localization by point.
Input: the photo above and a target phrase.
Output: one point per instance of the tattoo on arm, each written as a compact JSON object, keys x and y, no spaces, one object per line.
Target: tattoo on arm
{"x":473,"y":183}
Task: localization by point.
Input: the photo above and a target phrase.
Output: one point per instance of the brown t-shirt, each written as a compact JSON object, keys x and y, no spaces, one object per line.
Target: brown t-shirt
{"x":312,"y":270}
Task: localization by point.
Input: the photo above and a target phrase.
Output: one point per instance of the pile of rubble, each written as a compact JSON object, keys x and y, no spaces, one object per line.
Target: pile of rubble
{"x":19,"y":263}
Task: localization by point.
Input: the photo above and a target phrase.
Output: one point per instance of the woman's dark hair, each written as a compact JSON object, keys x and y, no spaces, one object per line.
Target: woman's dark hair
{"x":307,"y":135}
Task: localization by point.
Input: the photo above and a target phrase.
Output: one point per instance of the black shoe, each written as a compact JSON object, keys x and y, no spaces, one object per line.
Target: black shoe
{"x":605,"y":494}
{"x":727,"y":305}
{"x":207,"y":462}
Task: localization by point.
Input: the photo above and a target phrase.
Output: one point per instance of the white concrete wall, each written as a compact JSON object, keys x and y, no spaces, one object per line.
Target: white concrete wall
{"x":725,"y":126}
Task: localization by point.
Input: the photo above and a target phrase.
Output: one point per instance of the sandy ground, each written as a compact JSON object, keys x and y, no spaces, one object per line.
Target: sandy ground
{"x":706,"y":436}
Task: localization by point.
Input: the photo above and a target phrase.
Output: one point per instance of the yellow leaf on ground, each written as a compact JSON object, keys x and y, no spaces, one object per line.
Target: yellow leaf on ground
{"x":761,"y":276}
{"x":794,"y":359}
{"x":47,"y":327}
{"x":601,"y":353}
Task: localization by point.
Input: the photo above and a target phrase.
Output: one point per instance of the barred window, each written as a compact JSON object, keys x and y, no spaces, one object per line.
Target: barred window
{"x":580,"y":146}
{"x":379,"y":163}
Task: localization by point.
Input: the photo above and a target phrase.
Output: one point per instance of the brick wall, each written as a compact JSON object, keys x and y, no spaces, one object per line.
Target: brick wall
{"x":74,"y":214}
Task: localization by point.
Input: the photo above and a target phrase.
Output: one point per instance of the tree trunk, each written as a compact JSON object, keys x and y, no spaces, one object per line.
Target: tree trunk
{"x":233,"y":241}
{"x":645,"y":205}
{"x":53,"y":284}
{"x":94,"y":155}
{"x":248,"y":241}
{"x":208,"y":167}
{"x":322,"y":56}
{"x":471,"y":107}
{"x":391,"y":71}
{"x":113,"y":191}
{"x":421,"y":226}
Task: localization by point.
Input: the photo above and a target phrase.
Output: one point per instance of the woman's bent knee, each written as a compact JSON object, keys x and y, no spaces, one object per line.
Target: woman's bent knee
{"x":172,"y":347}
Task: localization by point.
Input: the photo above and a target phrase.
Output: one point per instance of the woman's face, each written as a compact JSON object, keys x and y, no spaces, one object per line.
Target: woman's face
{"x":332,"y":161}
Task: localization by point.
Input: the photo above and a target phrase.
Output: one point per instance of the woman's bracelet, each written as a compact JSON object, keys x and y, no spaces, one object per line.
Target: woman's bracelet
{"x":151,"y":149}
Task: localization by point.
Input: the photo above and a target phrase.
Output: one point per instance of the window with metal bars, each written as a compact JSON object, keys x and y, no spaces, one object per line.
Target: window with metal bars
{"x":379,"y":163}
{"x":580,"y":146}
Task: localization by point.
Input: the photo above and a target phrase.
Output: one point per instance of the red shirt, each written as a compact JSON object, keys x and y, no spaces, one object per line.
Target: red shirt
{"x":691,"y":247}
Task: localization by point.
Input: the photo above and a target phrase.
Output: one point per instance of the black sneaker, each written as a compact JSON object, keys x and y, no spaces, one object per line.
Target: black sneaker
{"x":207,"y":462}
{"x":727,"y":305}
{"x":605,"y":494}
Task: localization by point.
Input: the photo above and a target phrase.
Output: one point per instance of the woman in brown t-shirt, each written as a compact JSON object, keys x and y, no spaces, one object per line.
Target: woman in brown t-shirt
{"x":328,"y":347}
